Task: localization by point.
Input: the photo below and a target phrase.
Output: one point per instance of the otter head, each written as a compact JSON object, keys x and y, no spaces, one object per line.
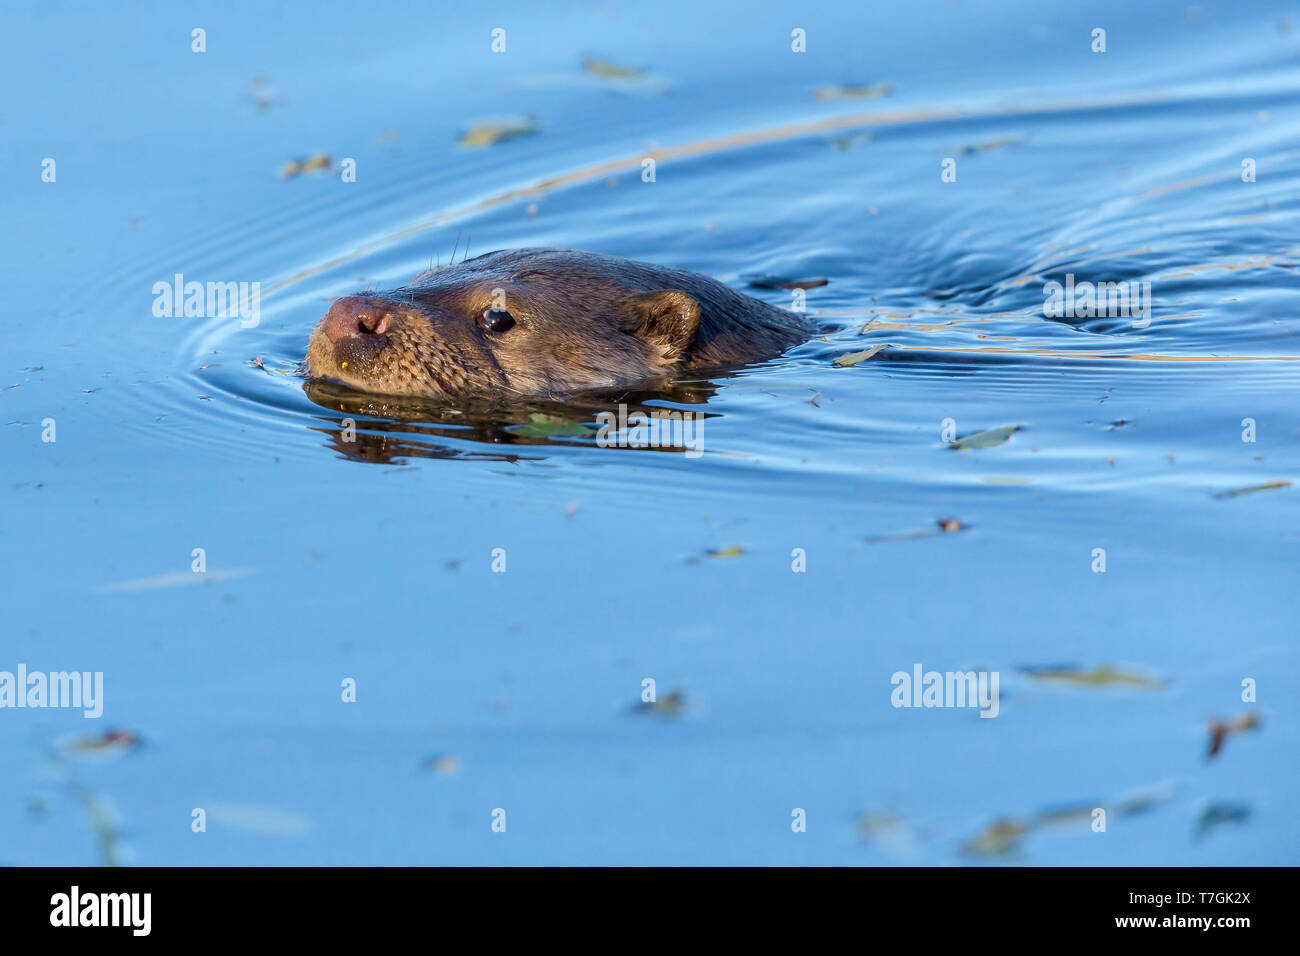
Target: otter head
{"x":527,"y":321}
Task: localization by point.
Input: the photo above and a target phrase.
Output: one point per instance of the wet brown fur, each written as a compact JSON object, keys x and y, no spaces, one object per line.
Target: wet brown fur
{"x":582,"y":320}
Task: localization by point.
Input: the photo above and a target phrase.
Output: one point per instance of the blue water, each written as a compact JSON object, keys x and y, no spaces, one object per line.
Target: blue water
{"x":372,"y":560}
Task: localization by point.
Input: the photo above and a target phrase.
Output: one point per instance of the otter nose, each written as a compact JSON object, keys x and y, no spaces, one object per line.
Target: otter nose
{"x":356,"y":315}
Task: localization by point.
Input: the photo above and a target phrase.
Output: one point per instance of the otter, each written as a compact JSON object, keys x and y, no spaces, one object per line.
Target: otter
{"x":543,"y":323}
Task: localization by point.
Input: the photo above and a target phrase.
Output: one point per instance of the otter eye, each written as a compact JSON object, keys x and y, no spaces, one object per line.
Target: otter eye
{"x":497,"y":320}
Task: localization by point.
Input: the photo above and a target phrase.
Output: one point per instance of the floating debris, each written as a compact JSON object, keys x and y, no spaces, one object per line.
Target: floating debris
{"x":176,"y":579}
{"x":989,"y":438}
{"x":608,"y":70}
{"x":874,"y":824}
{"x":499,"y":131}
{"x":1267,"y":486}
{"x":942,"y":526}
{"x":850,"y":359}
{"x":852,"y":91}
{"x":260,"y":93}
{"x":1105,"y":676}
{"x":733,"y":552}
{"x":1217,"y":814}
{"x":1221,"y":730}
{"x":848,"y":142}
{"x":999,"y":838}
{"x":549,"y":426}
{"x":989,"y":146}
{"x":889,"y":831}
{"x":313,"y":164}
{"x":108,"y":835}
{"x":1002,"y":837}
{"x":110,"y":741}
{"x":670,"y":705}
{"x":780,"y":282}
{"x":443,"y":764}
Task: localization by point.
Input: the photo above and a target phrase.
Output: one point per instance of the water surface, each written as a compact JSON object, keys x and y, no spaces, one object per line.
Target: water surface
{"x":372,"y":560}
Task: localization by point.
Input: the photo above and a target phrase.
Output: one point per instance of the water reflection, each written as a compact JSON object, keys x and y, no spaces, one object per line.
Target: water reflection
{"x":388,"y":429}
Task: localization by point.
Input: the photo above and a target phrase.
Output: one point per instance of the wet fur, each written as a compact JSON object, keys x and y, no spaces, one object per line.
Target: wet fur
{"x":583,"y":320}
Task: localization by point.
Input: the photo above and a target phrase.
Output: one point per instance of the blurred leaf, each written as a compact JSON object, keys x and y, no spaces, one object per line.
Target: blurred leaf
{"x":1250,"y":490}
{"x":604,"y":68}
{"x":989,"y":145}
{"x":1221,"y":730}
{"x":732,"y":552}
{"x":670,"y":705}
{"x":549,"y":426}
{"x":849,"y":359}
{"x":1105,"y":676}
{"x":989,"y":438}
{"x":297,"y":167}
{"x":999,"y":838}
{"x":852,"y":91}
{"x":1218,"y":814}
{"x":499,"y":130}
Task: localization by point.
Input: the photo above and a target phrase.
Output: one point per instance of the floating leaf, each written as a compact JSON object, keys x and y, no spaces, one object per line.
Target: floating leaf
{"x":107,"y":742}
{"x":873,"y":824}
{"x":173,"y":579}
{"x":612,"y":71}
{"x":999,"y":838}
{"x":498,"y":131}
{"x":989,"y":438}
{"x":732,"y":552}
{"x":313,"y":164}
{"x":989,"y":145}
{"x":549,"y":426}
{"x":849,"y":359}
{"x":890,"y":832}
{"x":670,"y":705}
{"x":1221,"y":730}
{"x":1002,"y":837}
{"x":443,"y":764}
{"x":1064,"y":816}
{"x":1217,"y":814}
{"x":942,"y":526}
{"x":852,"y":91}
{"x":1104,"y":676}
{"x":781,"y":282}
{"x":1267,"y":486}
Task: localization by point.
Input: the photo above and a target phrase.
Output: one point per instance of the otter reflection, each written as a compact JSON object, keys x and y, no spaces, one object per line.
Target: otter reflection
{"x":383,"y":429}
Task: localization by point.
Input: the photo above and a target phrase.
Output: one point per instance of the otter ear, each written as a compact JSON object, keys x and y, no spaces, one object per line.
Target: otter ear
{"x":669,"y":320}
